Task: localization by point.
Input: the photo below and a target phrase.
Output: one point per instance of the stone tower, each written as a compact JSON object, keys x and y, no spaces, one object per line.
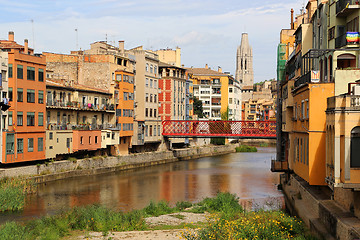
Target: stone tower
{"x":244,"y":62}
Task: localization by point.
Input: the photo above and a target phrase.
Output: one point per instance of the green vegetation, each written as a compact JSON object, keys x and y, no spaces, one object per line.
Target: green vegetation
{"x":198,"y":107}
{"x":217,"y":141}
{"x":228,"y":220}
{"x":264,"y":145}
{"x":13,"y":192}
{"x":251,"y":225}
{"x":245,"y":148}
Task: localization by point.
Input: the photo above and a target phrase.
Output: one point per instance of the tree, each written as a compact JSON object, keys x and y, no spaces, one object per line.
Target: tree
{"x":198,"y":107}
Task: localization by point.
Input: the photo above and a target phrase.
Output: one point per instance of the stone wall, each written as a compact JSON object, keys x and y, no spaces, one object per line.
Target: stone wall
{"x":96,"y":165}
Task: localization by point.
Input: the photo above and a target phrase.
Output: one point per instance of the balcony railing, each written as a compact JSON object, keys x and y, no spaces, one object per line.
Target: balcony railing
{"x":80,"y":106}
{"x":355,"y":101}
{"x":306,"y":78}
{"x":345,"y":7}
{"x":83,"y":126}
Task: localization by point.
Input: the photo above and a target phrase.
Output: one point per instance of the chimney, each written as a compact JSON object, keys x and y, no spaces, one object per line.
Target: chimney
{"x":122,"y":46}
{"x":219,"y":69}
{"x":292,"y":19}
{"x":206,"y":66}
{"x":11,"y":36}
{"x":26,"y":46}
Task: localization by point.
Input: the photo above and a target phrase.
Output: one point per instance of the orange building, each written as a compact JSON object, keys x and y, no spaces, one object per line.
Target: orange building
{"x":25,"y":139}
{"x":124,"y":100}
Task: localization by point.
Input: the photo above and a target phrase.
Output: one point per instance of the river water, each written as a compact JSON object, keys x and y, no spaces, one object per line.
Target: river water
{"x":246,"y":174}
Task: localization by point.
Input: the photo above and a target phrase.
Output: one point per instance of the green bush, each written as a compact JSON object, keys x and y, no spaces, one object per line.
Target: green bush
{"x":218,"y":141}
{"x":245,"y":148}
{"x":13,"y":192}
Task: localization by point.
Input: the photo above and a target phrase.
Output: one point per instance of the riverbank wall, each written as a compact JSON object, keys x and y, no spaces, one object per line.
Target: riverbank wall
{"x":51,"y":171}
{"x":315,"y":205}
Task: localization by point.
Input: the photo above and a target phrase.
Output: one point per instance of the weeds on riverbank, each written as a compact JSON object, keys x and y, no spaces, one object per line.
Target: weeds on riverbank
{"x":246,"y":148}
{"x":228,"y":221}
{"x":13,"y":192}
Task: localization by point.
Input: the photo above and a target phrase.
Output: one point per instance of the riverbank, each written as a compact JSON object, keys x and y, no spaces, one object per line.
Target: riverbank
{"x":51,"y":171}
{"x":315,"y":206}
{"x":221,"y":217}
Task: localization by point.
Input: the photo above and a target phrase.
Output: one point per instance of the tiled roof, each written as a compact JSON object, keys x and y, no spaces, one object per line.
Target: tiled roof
{"x":10,"y":44}
{"x":204,"y":71}
{"x":75,"y":86}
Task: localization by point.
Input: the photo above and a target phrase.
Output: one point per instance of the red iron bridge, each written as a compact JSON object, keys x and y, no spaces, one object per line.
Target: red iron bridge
{"x":229,"y":129}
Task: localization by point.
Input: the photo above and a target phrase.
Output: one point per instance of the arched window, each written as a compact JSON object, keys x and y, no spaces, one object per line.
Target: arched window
{"x":245,"y":64}
{"x":326,"y":70}
{"x":355,"y":148}
{"x":346,"y":60}
{"x":321,"y":71}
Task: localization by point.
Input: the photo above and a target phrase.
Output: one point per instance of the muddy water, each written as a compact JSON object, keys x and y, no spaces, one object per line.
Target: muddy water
{"x":245,"y":174}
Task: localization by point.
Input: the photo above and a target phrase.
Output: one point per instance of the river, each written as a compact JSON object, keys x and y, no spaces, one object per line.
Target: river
{"x":247,"y":175}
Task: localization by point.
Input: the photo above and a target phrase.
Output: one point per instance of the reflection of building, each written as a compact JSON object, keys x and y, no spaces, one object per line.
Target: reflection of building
{"x":24,"y":140}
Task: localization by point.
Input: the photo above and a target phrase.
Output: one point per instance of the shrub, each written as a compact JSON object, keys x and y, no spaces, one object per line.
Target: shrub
{"x":245,"y":148}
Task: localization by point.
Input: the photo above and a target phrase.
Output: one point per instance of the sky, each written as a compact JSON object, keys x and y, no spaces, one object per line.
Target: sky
{"x":208,"y":32}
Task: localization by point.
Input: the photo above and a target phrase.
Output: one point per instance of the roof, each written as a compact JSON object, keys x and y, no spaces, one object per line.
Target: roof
{"x":6,"y":44}
{"x":75,"y":87}
{"x":205,"y":71}
{"x":247,"y":87}
{"x":162,"y":64}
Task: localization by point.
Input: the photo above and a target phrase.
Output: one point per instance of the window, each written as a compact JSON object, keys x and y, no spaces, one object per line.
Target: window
{"x":51,"y":135}
{"x":10,"y":93}
{"x":355,"y":148}
{"x":96,"y":139}
{"x":81,"y":140}
{"x":150,"y":112}
{"x":154,"y":112}
{"x":20,"y":145}
{"x":307,"y":109}
{"x":20,"y":74}
{"x":41,"y":96}
{"x":10,"y":141}
{"x":230,"y":90}
{"x":89,"y":139}
{"x":19,"y":119}
{"x":230,"y":100}
{"x":155,"y":98}
{"x":302,"y":109}
{"x":41,"y":119}
{"x":10,"y":119}
{"x":155,"y":83}
{"x":151,"y":68}
{"x":147,"y":82}
{"x":331,"y":33}
{"x":68,"y":142}
{"x":40,"y":144}
{"x":158,"y":130}
{"x":31,"y":96}
{"x":146,"y":112}
{"x":118,"y":77}
{"x":31,"y":119}
{"x":30,"y":144}
{"x":41,"y":75}
{"x":155,"y":69}
{"x":146,"y":97}
{"x":126,"y":96}
{"x":31,"y":73}
{"x":151,"y":83}
{"x":19,"y":94}
{"x":147,"y":67}
{"x":151,"y":97}
{"x":151,"y":131}
{"x":10,"y":71}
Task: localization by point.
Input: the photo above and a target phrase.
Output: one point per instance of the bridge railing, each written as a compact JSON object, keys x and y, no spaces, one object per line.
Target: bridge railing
{"x":193,"y":128}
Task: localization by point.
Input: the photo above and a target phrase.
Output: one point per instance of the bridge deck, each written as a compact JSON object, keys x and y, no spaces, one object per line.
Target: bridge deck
{"x":229,"y":129}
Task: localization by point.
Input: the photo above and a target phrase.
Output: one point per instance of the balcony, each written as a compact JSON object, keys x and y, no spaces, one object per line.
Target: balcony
{"x":346,"y":7}
{"x":306,"y":78}
{"x":348,"y":39}
{"x":80,"y":106}
{"x":83,"y":126}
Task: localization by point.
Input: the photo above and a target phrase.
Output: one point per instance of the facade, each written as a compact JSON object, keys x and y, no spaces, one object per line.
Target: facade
{"x":147,"y":121}
{"x":25,"y":136}
{"x":212,"y":88}
{"x":3,"y":97}
{"x":77,"y":118}
{"x":110,"y":69}
{"x":170,"y":56}
{"x":244,"y":62}
{"x":258,"y":110}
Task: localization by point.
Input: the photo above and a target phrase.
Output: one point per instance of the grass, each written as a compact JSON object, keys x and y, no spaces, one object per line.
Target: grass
{"x":245,"y":148}
{"x":13,"y":192}
{"x":228,"y":221}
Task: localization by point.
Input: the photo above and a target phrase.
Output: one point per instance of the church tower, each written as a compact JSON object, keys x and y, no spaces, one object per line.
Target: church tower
{"x":244,"y":62}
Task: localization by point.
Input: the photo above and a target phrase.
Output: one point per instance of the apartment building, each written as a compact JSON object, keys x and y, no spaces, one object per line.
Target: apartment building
{"x":258,"y":110}
{"x":78,"y":118}
{"x":147,"y":121}
{"x":212,"y":88}
{"x":3,"y":97}
{"x":110,"y":69}
{"x":24,"y":140}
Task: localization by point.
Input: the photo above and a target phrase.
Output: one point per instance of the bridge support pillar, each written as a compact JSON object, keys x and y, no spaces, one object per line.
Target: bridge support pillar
{"x":167,"y":143}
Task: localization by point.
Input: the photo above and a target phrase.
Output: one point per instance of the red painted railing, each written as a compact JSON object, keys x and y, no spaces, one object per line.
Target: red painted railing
{"x":251,"y":129}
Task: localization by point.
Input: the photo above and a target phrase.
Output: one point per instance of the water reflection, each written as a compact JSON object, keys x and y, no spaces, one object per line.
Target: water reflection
{"x":246,"y":174}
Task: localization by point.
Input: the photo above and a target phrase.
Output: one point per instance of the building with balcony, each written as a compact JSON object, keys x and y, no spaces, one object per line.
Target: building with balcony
{"x":76,"y":116}
{"x":25,"y":135}
{"x":147,"y":121}
{"x":212,"y":88}
{"x":258,"y":110}
{"x":3,"y":97}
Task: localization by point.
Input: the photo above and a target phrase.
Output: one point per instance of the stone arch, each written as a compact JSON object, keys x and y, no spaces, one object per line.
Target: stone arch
{"x":355,"y":147}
